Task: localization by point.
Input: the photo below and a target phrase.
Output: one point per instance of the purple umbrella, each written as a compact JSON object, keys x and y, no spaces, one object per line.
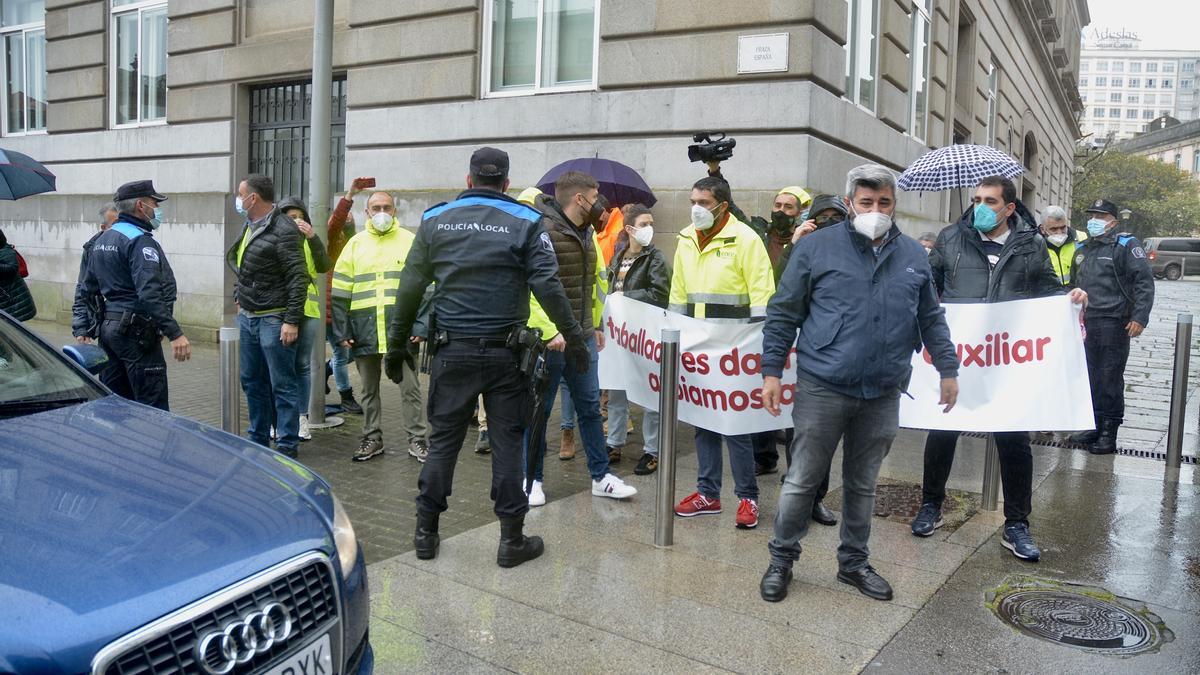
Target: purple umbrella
{"x":619,"y":184}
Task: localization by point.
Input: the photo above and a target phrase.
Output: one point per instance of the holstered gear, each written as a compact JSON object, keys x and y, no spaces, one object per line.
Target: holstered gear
{"x":531,"y":361}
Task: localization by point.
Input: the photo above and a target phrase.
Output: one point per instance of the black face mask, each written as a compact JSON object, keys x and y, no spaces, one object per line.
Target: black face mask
{"x":595,"y":213}
{"x":782,"y":223}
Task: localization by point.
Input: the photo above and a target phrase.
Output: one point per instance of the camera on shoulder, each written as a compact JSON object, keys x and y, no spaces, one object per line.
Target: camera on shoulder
{"x":711,"y":146}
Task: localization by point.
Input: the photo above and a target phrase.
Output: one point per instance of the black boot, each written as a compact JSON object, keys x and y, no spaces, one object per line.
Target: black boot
{"x":426,"y":539}
{"x":349,"y":405}
{"x":1106,"y":443}
{"x":1086,"y":438}
{"x":516,"y":548}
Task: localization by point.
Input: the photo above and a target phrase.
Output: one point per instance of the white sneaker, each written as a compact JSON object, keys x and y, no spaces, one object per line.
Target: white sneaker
{"x":611,"y":486}
{"x":305,"y":432}
{"x":537,"y":496}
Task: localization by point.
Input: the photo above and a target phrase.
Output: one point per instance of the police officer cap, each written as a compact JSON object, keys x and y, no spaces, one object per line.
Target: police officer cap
{"x":1103,"y":206}
{"x":489,"y":162}
{"x":138,"y":188}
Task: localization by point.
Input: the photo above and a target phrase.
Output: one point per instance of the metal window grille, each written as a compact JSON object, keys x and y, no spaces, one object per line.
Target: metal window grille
{"x":280,"y":146}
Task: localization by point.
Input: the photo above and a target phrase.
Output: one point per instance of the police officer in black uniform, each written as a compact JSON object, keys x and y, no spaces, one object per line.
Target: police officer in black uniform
{"x":129,"y":279}
{"x":1112,"y":267}
{"x":486,"y":252}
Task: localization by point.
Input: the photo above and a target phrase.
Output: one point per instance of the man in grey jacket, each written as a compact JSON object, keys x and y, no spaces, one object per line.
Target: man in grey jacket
{"x":861,"y":295}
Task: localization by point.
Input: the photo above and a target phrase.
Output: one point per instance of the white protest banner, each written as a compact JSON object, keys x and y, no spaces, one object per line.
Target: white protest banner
{"x":720,"y":386}
{"x":1022,"y":369}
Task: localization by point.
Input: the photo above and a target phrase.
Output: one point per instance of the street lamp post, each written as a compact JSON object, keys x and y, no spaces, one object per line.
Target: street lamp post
{"x":318,"y":191}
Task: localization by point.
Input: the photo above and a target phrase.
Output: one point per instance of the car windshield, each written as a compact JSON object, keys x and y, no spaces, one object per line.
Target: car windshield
{"x":33,"y":378}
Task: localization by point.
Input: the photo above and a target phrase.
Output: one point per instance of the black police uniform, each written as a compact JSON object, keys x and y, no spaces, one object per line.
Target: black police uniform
{"x":486,"y":252}
{"x":1113,"y":270}
{"x":128,"y":269}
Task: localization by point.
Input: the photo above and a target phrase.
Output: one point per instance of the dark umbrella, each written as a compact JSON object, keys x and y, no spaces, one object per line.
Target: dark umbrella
{"x":619,"y":184}
{"x":21,"y":176}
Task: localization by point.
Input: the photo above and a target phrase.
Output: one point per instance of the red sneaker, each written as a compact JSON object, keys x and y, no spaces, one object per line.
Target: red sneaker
{"x":747,"y":514}
{"x":697,"y":504}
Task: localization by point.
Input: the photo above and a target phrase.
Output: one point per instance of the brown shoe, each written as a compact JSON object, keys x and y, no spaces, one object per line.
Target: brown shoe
{"x":566,"y":447}
{"x":614,"y":455}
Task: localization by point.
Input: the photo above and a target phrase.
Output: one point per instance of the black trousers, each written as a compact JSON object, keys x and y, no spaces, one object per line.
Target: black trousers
{"x":766,"y":454}
{"x":462,"y":371}
{"x":137,"y":370}
{"x":1016,"y":470}
{"x":1107,"y":349}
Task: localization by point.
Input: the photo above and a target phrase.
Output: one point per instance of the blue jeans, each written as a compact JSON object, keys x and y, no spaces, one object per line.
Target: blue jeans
{"x":741,"y":464}
{"x":568,"y":410}
{"x":866,"y":429}
{"x":618,"y":423}
{"x":585,"y":392}
{"x":268,"y":374}
{"x":304,"y":348}
{"x":339,"y":362}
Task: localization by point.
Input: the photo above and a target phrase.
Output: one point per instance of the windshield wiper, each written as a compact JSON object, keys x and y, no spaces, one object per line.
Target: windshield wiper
{"x":27,"y":406}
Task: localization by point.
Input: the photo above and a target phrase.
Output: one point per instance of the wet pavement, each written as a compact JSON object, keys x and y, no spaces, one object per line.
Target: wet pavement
{"x":604,"y":598}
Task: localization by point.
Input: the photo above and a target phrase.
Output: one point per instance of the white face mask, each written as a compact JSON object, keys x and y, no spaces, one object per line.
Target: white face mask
{"x":382,"y":221}
{"x":1057,"y":239}
{"x":702,"y":218}
{"x":872,"y":225}
{"x":643,"y":235}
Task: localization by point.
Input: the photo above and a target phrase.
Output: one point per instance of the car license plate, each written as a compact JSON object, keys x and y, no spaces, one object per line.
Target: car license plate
{"x":312,"y":659}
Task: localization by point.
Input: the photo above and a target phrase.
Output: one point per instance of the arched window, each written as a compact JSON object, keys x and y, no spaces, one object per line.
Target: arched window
{"x":1029,"y":154}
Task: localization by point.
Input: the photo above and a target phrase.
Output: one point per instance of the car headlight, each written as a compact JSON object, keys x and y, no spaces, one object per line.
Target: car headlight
{"x":343,"y":537}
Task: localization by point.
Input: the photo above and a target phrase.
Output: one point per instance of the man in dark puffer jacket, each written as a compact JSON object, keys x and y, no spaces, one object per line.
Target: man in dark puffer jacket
{"x":993,"y":254}
{"x":272,"y":285}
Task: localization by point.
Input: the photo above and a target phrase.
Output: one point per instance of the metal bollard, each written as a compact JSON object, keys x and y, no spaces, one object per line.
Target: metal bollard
{"x":1179,"y":390}
{"x":991,"y":475}
{"x":668,"y":409}
{"x":231,"y":414}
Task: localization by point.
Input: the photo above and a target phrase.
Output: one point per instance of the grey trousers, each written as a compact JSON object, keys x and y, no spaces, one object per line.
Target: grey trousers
{"x":412,"y":409}
{"x":822,"y":418}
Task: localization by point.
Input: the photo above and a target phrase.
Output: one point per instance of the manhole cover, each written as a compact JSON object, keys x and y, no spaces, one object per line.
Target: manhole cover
{"x":1078,"y":616}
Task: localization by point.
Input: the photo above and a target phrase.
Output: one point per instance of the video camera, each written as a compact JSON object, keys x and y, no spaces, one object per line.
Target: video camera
{"x":708,"y":149}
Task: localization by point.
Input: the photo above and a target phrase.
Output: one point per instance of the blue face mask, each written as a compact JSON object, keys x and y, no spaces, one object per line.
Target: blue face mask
{"x":1096,"y":227}
{"x":157,"y":219}
{"x":237,"y":206}
{"x":985,"y":218}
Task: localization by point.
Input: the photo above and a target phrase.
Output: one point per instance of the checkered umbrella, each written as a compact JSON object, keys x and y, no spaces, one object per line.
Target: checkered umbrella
{"x":956,"y":166}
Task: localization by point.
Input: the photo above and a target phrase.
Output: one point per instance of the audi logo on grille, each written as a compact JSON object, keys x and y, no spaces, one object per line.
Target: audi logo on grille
{"x":220,"y":651}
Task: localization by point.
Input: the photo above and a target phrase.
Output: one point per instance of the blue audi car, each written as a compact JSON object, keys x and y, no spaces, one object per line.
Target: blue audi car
{"x":136,"y":541}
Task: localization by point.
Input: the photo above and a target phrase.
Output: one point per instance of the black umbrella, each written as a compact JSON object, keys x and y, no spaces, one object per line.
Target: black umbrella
{"x":619,"y":184}
{"x":21,"y":176}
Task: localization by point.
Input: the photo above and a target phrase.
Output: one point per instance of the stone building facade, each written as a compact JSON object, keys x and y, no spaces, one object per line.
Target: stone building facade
{"x":196,"y":93}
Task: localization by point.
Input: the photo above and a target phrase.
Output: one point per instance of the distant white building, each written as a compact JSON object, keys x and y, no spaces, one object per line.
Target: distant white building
{"x":1124,"y":87}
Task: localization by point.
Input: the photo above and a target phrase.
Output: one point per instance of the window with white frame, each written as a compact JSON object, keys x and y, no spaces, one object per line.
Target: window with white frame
{"x":1186,"y":84}
{"x":1118,"y":82}
{"x":1168,"y":67}
{"x":23,"y":32}
{"x":535,"y":46}
{"x":1189,"y":66}
{"x":1148,"y":98}
{"x":1114,"y":112}
{"x":1131,"y":114}
{"x":862,"y":51}
{"x":1101,"y":81}
{"x":1083,"y":66}
{"x":1102,"y":66}
{"x":1166,"y":83}
{"x":993,"y":87}
{"x":1135,"y":66}
{"x":1151,"y":83}
{"x":1097,"y":112}
{"x":1147,"y":114}
{"x":1114,"y":97}
{"x":1152,"y":67}
{"x":1132,"y":98}
{"x":1083,"y":82}
{"x":138,"y":58}
{"x":1118,"y":66}
{"x":918,"y":94}
{"x":1135,"y":82}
